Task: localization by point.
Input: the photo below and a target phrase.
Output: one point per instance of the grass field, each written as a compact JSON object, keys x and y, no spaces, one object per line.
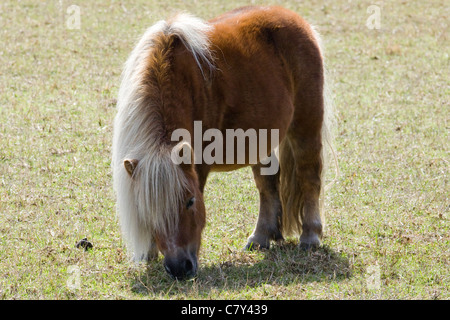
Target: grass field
{"x":387,"y":230}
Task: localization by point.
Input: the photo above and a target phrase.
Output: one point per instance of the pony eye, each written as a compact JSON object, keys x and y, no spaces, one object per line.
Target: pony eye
{"x":190,"y":203}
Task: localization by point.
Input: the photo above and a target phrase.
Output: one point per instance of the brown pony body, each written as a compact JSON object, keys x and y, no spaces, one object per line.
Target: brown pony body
{"x":260,"y":68}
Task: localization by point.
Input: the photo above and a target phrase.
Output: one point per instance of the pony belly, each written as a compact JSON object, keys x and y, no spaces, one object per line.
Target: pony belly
{"x":228,"y":167}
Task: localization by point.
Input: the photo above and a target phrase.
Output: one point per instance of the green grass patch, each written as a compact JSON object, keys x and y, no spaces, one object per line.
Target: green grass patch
{"x":387,"y":210}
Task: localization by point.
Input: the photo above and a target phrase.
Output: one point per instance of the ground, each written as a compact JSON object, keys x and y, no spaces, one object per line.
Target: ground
{"x":387,"y":222}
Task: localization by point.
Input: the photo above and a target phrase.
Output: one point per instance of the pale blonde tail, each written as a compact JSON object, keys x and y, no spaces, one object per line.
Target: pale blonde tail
{"x":290,"y":195}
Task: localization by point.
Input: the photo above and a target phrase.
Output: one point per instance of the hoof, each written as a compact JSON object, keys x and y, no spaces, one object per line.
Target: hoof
{"x":253,"y":243}
{"x":309,"y":246}
{"x":310,"y":242}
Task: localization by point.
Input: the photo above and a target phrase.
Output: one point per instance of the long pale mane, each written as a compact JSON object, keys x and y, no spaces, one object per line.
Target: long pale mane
{"x":148,"y":203}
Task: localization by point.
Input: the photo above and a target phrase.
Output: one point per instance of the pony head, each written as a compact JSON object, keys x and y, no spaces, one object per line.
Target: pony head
{"x":170,"y":207}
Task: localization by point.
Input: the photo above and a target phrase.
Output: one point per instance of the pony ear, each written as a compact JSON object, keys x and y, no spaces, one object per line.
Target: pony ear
{"x":130,"y":165}
{"x":182,"y":154}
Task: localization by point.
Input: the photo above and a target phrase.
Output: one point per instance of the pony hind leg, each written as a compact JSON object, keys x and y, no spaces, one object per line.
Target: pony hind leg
{"x":301,"y":174}
{"x":270,"y":210}
{"x":308,"y":173}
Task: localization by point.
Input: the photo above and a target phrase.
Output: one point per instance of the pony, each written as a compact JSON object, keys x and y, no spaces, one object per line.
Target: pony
{"x":250,"y":68}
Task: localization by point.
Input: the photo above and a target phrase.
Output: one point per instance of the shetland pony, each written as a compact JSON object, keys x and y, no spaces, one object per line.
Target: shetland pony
{"x":251,"y":68}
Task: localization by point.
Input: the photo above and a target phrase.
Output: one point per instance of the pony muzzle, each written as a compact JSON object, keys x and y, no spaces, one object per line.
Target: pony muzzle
{"x":181,"y":267}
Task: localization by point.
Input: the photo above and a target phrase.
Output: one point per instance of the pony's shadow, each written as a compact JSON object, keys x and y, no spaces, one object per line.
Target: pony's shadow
{"x":280,"y":265}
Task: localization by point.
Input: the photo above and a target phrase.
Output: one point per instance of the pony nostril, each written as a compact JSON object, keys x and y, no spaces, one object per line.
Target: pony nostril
{"x":188,"y":266}
{"x":167,"y":269}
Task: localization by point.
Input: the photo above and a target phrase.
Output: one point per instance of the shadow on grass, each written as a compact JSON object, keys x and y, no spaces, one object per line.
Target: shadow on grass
{"x":242,"y":270}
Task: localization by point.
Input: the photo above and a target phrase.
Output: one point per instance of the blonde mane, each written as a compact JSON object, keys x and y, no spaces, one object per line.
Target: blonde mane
{"x":149,"y":201}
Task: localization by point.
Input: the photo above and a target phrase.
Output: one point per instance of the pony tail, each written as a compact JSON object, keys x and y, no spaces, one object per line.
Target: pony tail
{"x":328,"y":150}
{"x":328,"y":130}
{"x":291,"y":202}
